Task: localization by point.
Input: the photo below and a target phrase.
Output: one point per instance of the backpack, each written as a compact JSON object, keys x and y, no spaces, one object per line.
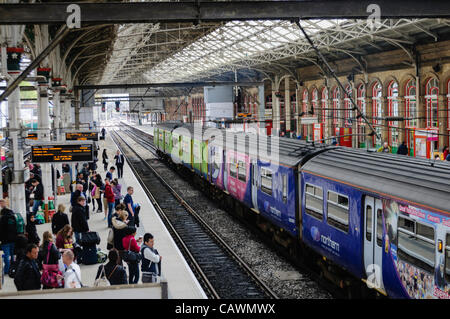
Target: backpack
{"x":20,"y":224}
{"x":12,"y":225}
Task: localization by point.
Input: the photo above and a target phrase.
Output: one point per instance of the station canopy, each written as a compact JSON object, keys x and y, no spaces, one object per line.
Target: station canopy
{"x":254,"y":50}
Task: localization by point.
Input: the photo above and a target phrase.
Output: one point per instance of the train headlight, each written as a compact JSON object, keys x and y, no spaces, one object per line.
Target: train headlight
{"x":440,"y":246}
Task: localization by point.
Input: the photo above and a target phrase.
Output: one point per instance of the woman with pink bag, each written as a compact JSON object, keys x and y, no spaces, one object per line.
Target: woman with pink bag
{"x":50,"y":258}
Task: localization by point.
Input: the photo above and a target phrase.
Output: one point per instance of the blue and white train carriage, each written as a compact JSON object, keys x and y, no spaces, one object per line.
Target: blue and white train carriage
{"x":385,"y":218}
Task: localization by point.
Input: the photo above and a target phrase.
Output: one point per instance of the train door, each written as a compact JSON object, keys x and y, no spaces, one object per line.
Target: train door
{"x":373,"y":242}
{"x":255,"y":184}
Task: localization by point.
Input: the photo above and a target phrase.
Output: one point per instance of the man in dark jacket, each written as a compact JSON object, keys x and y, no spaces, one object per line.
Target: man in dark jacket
{"x":120,"y":161}
{"x":8,"y":233}
{"x":79,"y":221}
{"x":28,"y":276}
{"x":38,"y":195}
{"x":402,"y":149}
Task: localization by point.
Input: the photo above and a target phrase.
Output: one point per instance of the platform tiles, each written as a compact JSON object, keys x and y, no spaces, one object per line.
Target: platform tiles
{"x":182,"y":283}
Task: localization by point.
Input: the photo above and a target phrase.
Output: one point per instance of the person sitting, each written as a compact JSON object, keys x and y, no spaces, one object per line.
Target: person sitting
{"x":402,"y":149}
{"x":385,"y":148}
{"x":114,"y":272}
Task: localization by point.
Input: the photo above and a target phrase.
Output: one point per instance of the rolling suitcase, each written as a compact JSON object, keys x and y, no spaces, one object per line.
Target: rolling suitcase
{"x":89,"y":255}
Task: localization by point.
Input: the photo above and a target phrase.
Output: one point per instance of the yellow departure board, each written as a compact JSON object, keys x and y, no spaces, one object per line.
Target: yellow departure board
{"x":61,"y":153}
{"x":81,"y":136}
{"x":32,"y":136}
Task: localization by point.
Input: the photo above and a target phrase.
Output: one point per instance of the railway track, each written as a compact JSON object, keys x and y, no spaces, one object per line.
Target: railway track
{"x":304,"y":267}
{"x":221,"y":272}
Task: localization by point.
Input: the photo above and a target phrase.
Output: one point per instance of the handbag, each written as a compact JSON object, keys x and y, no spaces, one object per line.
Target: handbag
{"x":103,"y":281}
{"x":130,"y":256}
{"x":50,"y":274}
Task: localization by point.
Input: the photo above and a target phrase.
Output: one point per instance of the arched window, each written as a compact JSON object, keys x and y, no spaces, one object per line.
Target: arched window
{"x":336,"y":105}
{"x":315,"y":101}
{"x":348,"y":107}
{"x":361,"y":100}
{"x":324,"y":102}
{"x":377,"y":109}
{"x":431,"y":97}
{"x":393,"y":107}
{"x":305,"y":101}
{"x":411,"y":104}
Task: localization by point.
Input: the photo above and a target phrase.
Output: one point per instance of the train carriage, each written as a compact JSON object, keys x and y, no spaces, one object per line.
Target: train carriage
{"x":385,"y":218}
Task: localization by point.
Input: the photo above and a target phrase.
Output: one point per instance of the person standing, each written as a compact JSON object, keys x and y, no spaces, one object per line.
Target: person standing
{"x":48,"y":256}
{"x":103,"y":135}
{"x":129,"y":205}
{"x":79,"y":221}
{"x":109,"y":195}
{"x":120,"y":161}
{"x":105,"y":159}
{"x":38,"y":195}
{"x":110,"y":173}
{"x":8,"y":233}
{"x":129,"y":243}
{"x":117,"y":190}
{"x":445,"y":152}
{"x":151,"y":260}
{"x":28,"y":276}
{"x":59,"y":219}
{"x":71,"y":271}
{"x":30,"y":229}
{"x":97,"y":192}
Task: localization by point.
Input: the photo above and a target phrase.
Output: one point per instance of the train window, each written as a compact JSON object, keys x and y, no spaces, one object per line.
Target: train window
{"x":175,"y":141}
{"x":447,"y":258}
{"x":217,"y":160}
{"x":242,"y":171}
{"x":416,"y":244}
{"x":338,"y":211}
{"x":284,"y":176}
{"x":233,"y":168}
{"x":379,"y":227}
{"x":314,"y":201}
{"x":266,"y":180}
{"x":369,"y":223}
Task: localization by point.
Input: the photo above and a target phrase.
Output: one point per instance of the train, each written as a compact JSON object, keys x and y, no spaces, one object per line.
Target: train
{"x":382,"y":218}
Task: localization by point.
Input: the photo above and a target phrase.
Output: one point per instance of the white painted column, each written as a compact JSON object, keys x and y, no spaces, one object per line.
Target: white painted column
{"x":287,"y":106}
{"x":275,"y":108}
{"x":44,"y":136}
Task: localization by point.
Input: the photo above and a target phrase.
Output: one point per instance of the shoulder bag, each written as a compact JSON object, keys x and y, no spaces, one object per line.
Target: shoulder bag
{"x":50,"y":273}
{"x":130,"y":256}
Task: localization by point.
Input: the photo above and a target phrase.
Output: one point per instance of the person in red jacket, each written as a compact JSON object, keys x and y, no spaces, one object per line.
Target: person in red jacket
{"x":109,"y":195}
{"x":129,"y":243}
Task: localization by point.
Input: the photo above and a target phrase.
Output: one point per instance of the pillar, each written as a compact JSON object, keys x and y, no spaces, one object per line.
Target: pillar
{"x":297,"y":105}
{"x":261,"y":110}
{"x":275,"y":108}
{"x":287,"y":106}
{"x":17,"y":188}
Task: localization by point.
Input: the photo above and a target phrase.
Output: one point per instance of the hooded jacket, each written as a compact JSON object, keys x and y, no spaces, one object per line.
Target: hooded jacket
{"x":120,"y":231}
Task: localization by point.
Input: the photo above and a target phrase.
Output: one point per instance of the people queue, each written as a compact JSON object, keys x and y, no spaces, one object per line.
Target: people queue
{"x":53,"y":262}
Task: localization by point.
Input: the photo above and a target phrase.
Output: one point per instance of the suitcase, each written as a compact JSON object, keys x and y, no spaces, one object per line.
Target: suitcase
{"x":89,"y":238}
{"x":89,"y":255}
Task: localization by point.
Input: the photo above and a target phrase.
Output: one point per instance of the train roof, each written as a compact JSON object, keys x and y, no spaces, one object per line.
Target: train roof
{"x":169,"y":125}
{"x":291,"y":152}
{"x":420,"y":181}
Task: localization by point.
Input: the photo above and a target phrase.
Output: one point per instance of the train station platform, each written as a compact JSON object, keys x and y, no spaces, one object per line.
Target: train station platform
{"x":181,"y":282}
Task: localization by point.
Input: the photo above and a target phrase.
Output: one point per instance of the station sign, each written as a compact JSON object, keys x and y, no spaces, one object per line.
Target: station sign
{"x":81,"y":136}
{"x":62,"y":153}
{"x":309,"y":120}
